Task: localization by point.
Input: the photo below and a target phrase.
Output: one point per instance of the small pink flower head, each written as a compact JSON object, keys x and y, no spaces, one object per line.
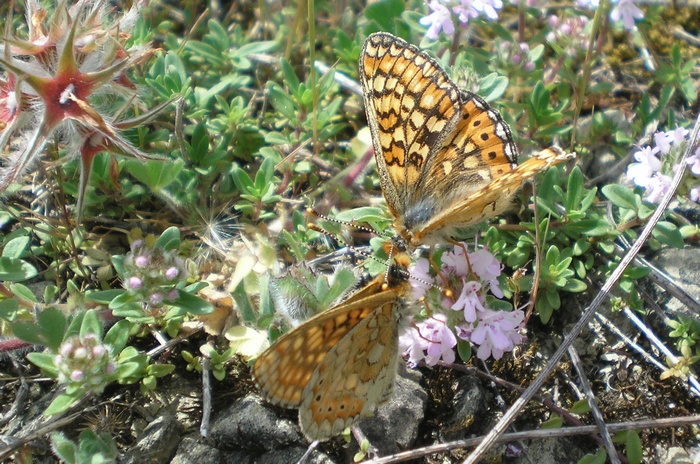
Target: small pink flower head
{"x":657,"y":188}
{"x":77,"y":376}
{"x":156,"y":299}
{"x":135,"y":283}
{"x":171,"y":273}
{"x":678,"y":135}
{"x":695,"y":194}
{"x":173,"y":294}
{"x":412,"y":345}
{"x":663,"y":142}
{"x":142,"y":261}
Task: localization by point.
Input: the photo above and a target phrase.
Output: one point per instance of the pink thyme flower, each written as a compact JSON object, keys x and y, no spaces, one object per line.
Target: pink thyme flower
{"x":469,"y":301}
{"x":413,"y":345}
{"x":439,"y":19}
{"x":421,"y":284}
{"x":441,"y":340}
{"x":487,"y":268}
{"x":628,"y":12}
{"x":497,"y":333}
{"x":640,"y":173}
{"x":694,"y":163}
{"x":657,"y":187}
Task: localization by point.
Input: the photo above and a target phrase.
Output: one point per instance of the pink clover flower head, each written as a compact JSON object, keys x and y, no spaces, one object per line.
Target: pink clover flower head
{"x":439,"y":20}
{"x":156,"y":299}
{"x":141,"y":261}
{"x":497,"y":333}
{"x":172,"y":273}
{"x":627,"y":12}
{"x":423,"y":279}
{"x":173,"y":294}
{"x":77,"y":376}
{"x":469,"y":301}
{"x":135,"y":283}
{"x":648,"y":164}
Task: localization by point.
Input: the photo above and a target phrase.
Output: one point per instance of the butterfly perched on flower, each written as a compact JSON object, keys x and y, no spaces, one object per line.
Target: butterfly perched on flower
{"x":445,"y":158}
{"x":339,"y":364}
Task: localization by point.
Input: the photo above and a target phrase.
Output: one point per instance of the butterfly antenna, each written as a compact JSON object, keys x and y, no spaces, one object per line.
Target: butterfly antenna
{"x":388,"y":263}
{"x":312,"y":212}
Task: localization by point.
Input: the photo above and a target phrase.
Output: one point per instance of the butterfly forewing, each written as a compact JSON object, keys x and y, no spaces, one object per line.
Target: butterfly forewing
{"x":411,"y":106}
{"x":446,"y":159}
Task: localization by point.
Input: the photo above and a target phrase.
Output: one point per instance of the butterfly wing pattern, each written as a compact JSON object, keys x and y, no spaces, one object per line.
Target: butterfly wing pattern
{"x":445,"y":158}
{"x":339,"y":364}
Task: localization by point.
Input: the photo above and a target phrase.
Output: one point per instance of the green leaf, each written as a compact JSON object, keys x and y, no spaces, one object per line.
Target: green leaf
{"x":553,"y":422}
{"x":620,"y":196}
{"x":45,"y":362}
{"x":53,"y":324}
{"x":192,"y":304}
{"x":15,"y":270}
{"x":633,"y":447}
{"x":64,"y":448}
{"x":600,"y":457}
{"x":105,"y":296}
{"x":282,"y":102}
{"x":8,"y":309}
{"x":464,"y":349}
{"x":580,"y":407}
{"x":91,"y":325}
{"x":574,"y":189}
{"x":667,"y":233}
{"x":118,"y":336}
{"x":169,"y":240}
{"x":60,"y":404}
{"x":156,"y":175}
{"x":16,"y":247}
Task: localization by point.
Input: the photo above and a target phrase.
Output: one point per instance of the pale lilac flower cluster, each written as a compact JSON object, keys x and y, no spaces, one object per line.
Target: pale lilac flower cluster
{"x":441,"y":18}
{"x":654,"y":166}
{"x":624,"y":10}
{"x":152,"y":274}
{"x":465,"y":314}
{"x":571,"y":34}
{"x":84,"y":364}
